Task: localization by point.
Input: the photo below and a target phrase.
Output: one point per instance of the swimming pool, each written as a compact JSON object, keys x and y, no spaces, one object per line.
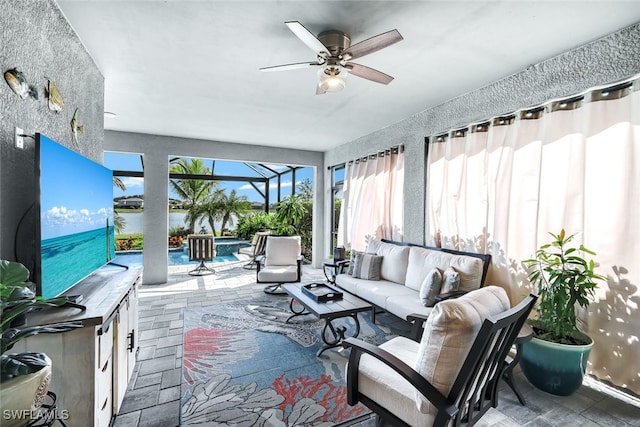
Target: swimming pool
{"x":225,"y":249}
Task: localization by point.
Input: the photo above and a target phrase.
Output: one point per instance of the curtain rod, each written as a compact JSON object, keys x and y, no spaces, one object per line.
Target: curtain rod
{"x":601,"y":93}
{"x":391,"y":150}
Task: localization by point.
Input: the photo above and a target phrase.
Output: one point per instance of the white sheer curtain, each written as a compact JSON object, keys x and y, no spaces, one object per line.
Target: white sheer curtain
{"x":372,"y":203}
{"x":572,"y":165}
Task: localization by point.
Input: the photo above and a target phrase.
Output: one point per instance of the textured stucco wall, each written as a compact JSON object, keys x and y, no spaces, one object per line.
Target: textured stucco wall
{"x":156,"y":151}
{"x":36,"y":39}
{"x":606,"y":60}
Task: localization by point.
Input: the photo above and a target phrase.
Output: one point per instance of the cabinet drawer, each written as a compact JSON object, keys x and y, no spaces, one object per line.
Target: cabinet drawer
{"x":104,"y":393}
{"x":105,"y":412}
{"x":105,"y":345}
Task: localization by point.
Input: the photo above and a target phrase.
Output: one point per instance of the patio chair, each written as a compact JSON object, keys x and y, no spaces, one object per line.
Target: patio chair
{"x":256,"y":249}
{"x":201,"y":248}
{"x":281,"y":263}
{"x":451,"y":376}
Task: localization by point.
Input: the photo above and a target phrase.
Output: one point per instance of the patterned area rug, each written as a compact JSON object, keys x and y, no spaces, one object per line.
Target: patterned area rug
{"x":243,"y":365}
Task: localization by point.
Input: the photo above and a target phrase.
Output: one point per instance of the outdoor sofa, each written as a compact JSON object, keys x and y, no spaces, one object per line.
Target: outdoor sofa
{"x":403,"y":270}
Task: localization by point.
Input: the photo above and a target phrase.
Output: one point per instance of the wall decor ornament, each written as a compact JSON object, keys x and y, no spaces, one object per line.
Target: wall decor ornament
{"x":76,"y":128}
{"x":18,"y":84}
{"x":55,"y":99}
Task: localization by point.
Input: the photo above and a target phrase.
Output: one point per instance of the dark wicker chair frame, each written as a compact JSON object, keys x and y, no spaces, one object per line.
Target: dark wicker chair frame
{"x":475,"y":389}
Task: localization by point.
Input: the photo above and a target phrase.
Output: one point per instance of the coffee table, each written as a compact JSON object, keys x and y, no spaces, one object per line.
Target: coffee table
{"x":349,"y":306}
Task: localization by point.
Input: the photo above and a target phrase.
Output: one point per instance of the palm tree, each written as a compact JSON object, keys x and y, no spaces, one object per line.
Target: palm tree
{"x":305,"y":190}
{"x":193,"y":191}
{"x":232,"y":205}
{"x":118,"y":221}
{"x":220,"y":206}
{"x":210,"y":209}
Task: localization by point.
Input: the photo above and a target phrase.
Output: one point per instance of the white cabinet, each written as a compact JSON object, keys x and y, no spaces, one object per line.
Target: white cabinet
{"x":126,"y":345}
{"x":92,"y":365}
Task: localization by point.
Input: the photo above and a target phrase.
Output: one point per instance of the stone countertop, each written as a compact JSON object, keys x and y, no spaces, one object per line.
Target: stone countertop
{"x":102,"y":292}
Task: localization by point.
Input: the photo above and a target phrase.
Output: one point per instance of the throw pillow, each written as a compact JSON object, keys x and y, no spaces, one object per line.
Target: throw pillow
{"x":430,"y":287}
{"x":367,"y":266}
{"x":450,"y":280}
{"x":352,"y":262}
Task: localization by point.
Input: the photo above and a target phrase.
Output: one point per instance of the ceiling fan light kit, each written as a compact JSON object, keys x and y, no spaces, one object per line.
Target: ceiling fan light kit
{"x":333,"y":51}
{"x":332,"y":78}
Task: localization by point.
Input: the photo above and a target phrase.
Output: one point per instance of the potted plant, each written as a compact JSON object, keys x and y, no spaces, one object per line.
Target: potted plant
{"x":24,"y":377}
{"x":555,"y":359}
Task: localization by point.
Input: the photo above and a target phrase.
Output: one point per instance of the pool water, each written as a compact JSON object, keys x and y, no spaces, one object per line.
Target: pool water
{"x":176,"y":257}
{"x":225,"y":249}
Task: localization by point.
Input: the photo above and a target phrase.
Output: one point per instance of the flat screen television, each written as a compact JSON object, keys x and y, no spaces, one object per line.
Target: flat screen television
{"x":75,"y":232}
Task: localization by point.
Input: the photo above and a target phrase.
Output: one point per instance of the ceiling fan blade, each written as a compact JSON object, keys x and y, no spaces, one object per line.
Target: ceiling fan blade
{"x":307,"y":37}
{"x":286,"y":67}
{"x":368,"y":73}
{"x":371,"y":45}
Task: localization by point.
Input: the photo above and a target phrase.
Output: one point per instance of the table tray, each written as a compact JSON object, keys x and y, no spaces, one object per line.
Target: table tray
{"x":321,"y":292}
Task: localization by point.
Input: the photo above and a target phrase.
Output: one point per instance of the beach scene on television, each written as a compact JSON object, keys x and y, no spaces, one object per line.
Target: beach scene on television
{"x":76,"y":217}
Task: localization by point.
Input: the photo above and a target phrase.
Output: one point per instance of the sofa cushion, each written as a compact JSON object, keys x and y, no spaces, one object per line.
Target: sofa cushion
{"x":448,"y":335}
{"x":394,"y":264}
{"x":379,"y":292}
{"x":348,"y":283}
{"x":450,"y":280}
{"x":406,"y":304}
{"x":430,"y":287}
{"x":421,"y":261}
{"x":367,"y":266}
{"x":376,"y":292}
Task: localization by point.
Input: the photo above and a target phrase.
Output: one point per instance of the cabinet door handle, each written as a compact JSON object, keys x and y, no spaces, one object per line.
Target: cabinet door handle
{"x":131,"y":337}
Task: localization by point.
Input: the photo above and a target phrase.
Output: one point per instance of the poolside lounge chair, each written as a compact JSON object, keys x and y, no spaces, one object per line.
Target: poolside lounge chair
{"x":256,"y":249}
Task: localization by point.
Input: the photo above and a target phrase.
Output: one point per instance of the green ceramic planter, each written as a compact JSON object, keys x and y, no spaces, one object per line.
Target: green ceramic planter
{"x":555,"y":368}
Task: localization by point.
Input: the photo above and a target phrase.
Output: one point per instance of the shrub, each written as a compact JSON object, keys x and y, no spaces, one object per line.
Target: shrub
{"x":251,"y":223}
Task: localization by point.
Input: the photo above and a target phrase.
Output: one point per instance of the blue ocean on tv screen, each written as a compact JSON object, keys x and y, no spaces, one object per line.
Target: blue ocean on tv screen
{"x":67,"y":259}
{"x":76,"y":217}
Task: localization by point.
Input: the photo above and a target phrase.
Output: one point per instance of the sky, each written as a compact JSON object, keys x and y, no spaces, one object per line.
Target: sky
{"x":131,"y":162}
{"x":70,"y":205}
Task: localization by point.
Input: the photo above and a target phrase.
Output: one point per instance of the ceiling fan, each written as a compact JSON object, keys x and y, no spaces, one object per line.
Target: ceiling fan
{"x":334,"y":52}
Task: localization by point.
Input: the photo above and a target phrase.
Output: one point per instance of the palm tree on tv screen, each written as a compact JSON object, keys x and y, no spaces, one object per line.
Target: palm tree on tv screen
{"x":118,"y":221}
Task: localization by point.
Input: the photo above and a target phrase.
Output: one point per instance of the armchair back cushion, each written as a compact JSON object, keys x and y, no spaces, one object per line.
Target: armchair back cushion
{"x":282,"y":250}
{"x":449,"y":334}
{"x":421,"y":261}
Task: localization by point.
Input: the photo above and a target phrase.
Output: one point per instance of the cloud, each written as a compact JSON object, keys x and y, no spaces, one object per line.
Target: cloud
{"x":132,"y":182}
{"x":62,"y":216}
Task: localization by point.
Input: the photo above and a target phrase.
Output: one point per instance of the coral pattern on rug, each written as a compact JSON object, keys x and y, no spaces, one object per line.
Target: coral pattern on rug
{"x":244,"y":365}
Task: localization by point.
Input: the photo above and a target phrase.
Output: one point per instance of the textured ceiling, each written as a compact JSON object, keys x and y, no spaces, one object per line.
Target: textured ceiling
{"x":190,"y":68}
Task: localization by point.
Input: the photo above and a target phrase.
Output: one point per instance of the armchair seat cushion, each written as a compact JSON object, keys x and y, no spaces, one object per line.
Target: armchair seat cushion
{"x":278,"y":273}
{"x":383,"y":385}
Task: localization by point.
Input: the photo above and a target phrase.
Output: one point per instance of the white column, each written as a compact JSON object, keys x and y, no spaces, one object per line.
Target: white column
{"x":156,"y":202}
